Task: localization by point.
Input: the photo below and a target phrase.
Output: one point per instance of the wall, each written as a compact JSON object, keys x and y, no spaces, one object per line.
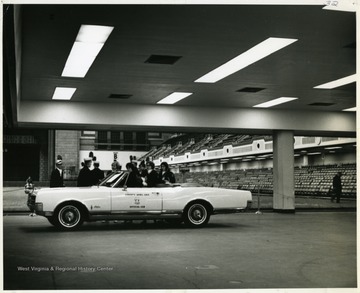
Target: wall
{"x":67,"y":146}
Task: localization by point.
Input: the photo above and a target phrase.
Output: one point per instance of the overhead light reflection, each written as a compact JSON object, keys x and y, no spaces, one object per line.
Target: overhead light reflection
{"x":174,"y":98}
{"x":337,"y":83}
{"x":87,"y":45}
{"x":245,"y":59}
{"x":63,"y":93}
{"x":275,"y":102}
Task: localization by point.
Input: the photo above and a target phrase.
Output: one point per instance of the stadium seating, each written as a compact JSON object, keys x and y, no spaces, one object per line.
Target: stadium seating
{"x":309,"y":180}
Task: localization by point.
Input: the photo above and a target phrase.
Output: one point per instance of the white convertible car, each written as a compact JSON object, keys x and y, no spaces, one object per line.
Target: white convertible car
{"x":68,"y":207}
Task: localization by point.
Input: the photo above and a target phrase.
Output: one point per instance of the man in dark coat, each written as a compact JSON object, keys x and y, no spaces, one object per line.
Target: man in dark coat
{"x":337,"y":187}
{"x":57,"y":175}
{"x":85,"y":177}
{"x":97,"y":173}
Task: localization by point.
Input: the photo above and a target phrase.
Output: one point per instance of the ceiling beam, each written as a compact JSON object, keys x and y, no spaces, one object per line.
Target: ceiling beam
{"x":111,"y":116}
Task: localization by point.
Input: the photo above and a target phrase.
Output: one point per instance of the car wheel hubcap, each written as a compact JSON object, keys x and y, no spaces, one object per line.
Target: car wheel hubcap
{"x":69,"y":216}
{"x":197,"y":214}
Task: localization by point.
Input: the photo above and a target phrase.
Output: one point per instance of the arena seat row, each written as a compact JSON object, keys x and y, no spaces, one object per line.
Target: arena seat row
{"x":309,"y":180}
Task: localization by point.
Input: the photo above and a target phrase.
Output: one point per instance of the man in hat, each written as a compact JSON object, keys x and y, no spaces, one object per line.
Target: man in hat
{"x":97,"y":173}
{"x":85,"y":177}
{"x":57,"y":175}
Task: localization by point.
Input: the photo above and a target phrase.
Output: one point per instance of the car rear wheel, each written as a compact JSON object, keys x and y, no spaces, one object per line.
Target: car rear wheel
{"x":69,"y":216}
{"x":197,"y":214}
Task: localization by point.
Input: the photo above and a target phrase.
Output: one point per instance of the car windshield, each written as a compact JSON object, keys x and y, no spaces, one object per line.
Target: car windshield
{"x":118,"y":179}
{"x":112,"y":178}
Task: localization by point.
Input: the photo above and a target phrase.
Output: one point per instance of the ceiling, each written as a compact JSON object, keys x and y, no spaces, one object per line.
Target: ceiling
{"x":204,"y":37}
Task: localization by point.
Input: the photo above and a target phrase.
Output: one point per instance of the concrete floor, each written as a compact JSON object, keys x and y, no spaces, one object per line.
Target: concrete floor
{"x":301,"y":250}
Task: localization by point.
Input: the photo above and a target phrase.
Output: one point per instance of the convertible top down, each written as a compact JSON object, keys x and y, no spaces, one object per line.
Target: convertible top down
{"x":68,"y":207}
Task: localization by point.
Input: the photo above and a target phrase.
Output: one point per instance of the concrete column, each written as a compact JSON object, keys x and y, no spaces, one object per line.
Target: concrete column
{"x":284,"y":191}
{"x":51,"y":151}
{"x":305,"y":160}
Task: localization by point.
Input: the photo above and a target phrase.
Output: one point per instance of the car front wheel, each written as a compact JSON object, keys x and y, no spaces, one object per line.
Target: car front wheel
{"x":69,"y":216}
{"x":197,"y":215}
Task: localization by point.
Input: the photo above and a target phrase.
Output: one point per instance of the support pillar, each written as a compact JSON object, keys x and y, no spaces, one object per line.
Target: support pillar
{"x":284,"y":187}
{"x":51,"y":152}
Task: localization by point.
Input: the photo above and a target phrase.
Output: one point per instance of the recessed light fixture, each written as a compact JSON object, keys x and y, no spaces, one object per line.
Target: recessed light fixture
{"x":162,"y":59}
{"x":321,"y":104}
{"x":333,"y":148}
{"x":337,"y":83}
{"x":275,"y":102}
{"x":63,"y":93}
{"x":350,"y":109}
{"x":250,"y":90}
{"x":174,"y":98}
{"x":224,"y":160}
{"x":88,"y":43}
{"x":245,"y":59}
{"x":316,"y":153}
{"x":119,"y":96}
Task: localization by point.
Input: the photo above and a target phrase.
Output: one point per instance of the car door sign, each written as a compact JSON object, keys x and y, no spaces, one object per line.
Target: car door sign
{"x":137,"y":204}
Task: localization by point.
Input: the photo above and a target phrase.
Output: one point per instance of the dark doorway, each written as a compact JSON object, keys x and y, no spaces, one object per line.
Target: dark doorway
{"x":20,"y":162}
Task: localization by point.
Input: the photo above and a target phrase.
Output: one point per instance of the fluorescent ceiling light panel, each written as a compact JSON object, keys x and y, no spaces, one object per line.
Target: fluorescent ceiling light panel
{"x":337,"y":83}
{"x":350,"y":109}
{"x":174,"y":98}
{"x":275,"y":102}
{"x":63,"y":93}
{"x":88,"y":43}
{"x":254,"y":54}
{"x":333,"y":148}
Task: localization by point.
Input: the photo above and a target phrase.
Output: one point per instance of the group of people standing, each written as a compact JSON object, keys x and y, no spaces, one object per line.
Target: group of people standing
{"x":86,"y":176}
{"x":147,"y":176}
{"x":144,"y":176}
{"x":89,"y":177}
